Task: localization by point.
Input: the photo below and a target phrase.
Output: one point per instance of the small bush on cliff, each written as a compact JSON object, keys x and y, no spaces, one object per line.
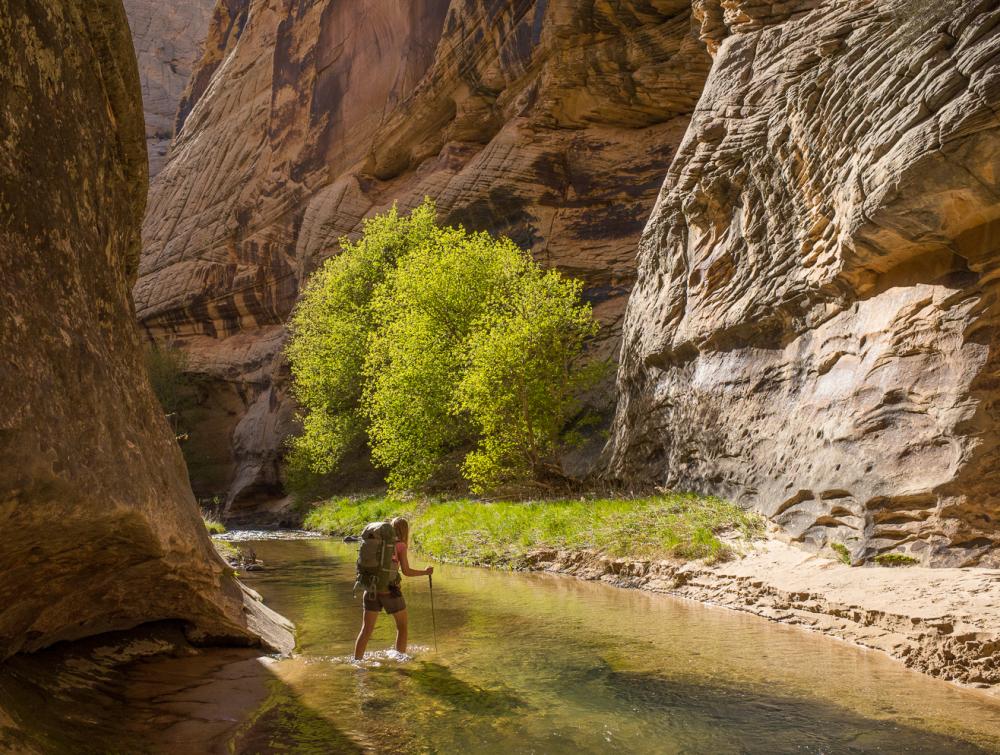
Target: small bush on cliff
{"x":446,"y":350}
{"x":843,"y":554}
{"x":165,"y":366}
{"x":895,"y":559}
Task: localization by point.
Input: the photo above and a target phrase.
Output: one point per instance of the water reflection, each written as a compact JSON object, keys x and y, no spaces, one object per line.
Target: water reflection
{"x":540,"y":663}
{"x":526,"y":664}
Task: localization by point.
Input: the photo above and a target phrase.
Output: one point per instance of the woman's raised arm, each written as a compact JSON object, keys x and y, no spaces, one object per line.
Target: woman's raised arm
{"x":404,"y":565}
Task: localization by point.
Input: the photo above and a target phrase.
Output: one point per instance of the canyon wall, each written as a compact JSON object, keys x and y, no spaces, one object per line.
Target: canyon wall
{"x":168,"y":40}
{"x":814,"y":327}
{"x":551,"y":121}
{"x":813,"y":330}
{"x":99,"y":530}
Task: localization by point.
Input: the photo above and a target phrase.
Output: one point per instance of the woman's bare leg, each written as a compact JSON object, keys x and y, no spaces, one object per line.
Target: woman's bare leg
{"x":401,"y":627}
{"x":367,"y":627}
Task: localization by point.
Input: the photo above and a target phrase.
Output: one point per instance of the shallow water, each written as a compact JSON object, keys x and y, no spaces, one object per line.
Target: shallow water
{"x":524,"y":663}
{"x":548,"y":664}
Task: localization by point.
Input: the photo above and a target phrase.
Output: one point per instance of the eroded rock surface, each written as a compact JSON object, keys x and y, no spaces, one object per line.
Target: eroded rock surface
{"x":99,"y":530}
{"x":814,"y":327}
{"x":168,"y":40}
{"x":551,"y":121}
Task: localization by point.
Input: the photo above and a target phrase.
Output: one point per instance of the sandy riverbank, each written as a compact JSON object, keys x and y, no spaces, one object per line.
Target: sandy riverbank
{"x":942,"y":622}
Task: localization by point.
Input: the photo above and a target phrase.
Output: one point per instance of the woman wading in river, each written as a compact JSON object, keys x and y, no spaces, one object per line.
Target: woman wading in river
{"x":392,"y":600}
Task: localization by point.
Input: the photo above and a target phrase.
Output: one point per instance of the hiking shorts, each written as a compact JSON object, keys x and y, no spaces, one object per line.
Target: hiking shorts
{"x":392,"y":602}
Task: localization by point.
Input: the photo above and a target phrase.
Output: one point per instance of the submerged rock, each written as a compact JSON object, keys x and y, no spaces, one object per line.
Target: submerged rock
{"x":99,"y":530}
{"x":814,"y":327}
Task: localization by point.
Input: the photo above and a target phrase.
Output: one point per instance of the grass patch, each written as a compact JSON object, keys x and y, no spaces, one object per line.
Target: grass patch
{"x":895,"y":559}
{"x":226,"y":549}
{"x":843,"y":555}
{"x":499,"y":533}
{"x":214,"y":526}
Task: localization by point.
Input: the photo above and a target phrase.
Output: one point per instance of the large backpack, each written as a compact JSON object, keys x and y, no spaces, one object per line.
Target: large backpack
{"x":376,"y":569}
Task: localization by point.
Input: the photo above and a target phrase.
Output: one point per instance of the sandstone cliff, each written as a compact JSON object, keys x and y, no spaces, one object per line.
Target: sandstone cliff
{"x":552,"y":121}
{"x":168,"y":40}
{"x":813,"y":332}
{"x":98,"y":527}
{"x":814,"y":327}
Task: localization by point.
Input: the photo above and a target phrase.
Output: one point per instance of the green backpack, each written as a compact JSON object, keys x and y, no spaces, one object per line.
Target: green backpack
{"x":376,"y":569}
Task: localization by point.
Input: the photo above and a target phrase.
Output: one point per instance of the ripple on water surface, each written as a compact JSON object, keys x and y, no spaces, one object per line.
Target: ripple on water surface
{"x":529,"y":663}
{"x":541,"y":663}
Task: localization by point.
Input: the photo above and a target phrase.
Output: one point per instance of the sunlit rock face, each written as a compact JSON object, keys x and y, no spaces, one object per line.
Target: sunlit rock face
{"x":551,"y":121}
{"x":168,"y":38}
{"x":814,"y":327}
{"x":98,"y":527}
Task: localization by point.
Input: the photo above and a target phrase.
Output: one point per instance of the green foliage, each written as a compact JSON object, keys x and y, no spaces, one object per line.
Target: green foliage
{"x":500,"y":533}
{"x":522,"y":380}
{"x":165,"y":366}
{"x":843,"y":554}
{"x":348,"y":516}
{"x":426,"y":312}
{"x":895,"y":559}
{"x":214,"y":526}
{"x":466,"y":350}
{"x":330,"y":334}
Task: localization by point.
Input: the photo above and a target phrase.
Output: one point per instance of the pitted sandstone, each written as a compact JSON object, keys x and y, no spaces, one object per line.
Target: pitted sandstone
{"x":814,"y":327}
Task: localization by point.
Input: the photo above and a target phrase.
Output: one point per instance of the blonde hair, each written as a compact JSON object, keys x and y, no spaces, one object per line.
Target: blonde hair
{"x":402,"y":528}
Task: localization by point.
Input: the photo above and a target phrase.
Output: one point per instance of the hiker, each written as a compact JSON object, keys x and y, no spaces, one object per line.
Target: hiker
{"x":374,"y":600}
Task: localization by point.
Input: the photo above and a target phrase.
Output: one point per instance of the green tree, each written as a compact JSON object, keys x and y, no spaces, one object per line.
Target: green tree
{"x":465,"y":348}
{"x":524,"y":377}
{"x":330,"y":330}
{"x":427,"y":310}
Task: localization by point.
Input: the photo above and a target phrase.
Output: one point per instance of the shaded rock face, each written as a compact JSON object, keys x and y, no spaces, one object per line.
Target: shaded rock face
{"x":98,"y":527}
{"x":551,"y":121}
{"x":814,"y":327}
{"x":168,"y":38}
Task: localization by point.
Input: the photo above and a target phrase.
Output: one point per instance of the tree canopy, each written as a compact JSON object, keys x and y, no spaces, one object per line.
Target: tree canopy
{"x":446,"y":351}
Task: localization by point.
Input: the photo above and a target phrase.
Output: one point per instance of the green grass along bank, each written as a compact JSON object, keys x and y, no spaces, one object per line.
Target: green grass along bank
{"x":502,"y":533}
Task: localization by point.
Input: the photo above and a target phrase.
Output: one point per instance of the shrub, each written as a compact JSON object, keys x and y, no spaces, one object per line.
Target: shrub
{"x":843,"y":554}
{"x":165,"y":366}
{"x":468,"y":355}
{"x":895,"y":559}
{"x":214,"y":526}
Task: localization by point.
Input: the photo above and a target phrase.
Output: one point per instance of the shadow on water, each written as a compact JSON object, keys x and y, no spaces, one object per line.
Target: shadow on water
{"x":149,"y":691}
{"x":438,"y":681}
{"x":285,"y":724}
{"x":758,"y":722}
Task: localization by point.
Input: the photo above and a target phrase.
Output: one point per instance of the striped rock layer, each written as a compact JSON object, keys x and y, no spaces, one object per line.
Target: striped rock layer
{"x":552,"y":122}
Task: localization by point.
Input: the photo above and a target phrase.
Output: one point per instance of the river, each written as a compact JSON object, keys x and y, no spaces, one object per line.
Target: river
{"x":534,"y":663}
{"x":546,"y":664}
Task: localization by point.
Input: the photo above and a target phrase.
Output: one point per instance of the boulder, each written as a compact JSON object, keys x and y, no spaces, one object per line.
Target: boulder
{"x":99,"y":530}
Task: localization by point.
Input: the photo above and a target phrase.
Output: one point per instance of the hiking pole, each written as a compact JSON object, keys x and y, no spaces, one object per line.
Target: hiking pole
{"x":430,"y":583}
